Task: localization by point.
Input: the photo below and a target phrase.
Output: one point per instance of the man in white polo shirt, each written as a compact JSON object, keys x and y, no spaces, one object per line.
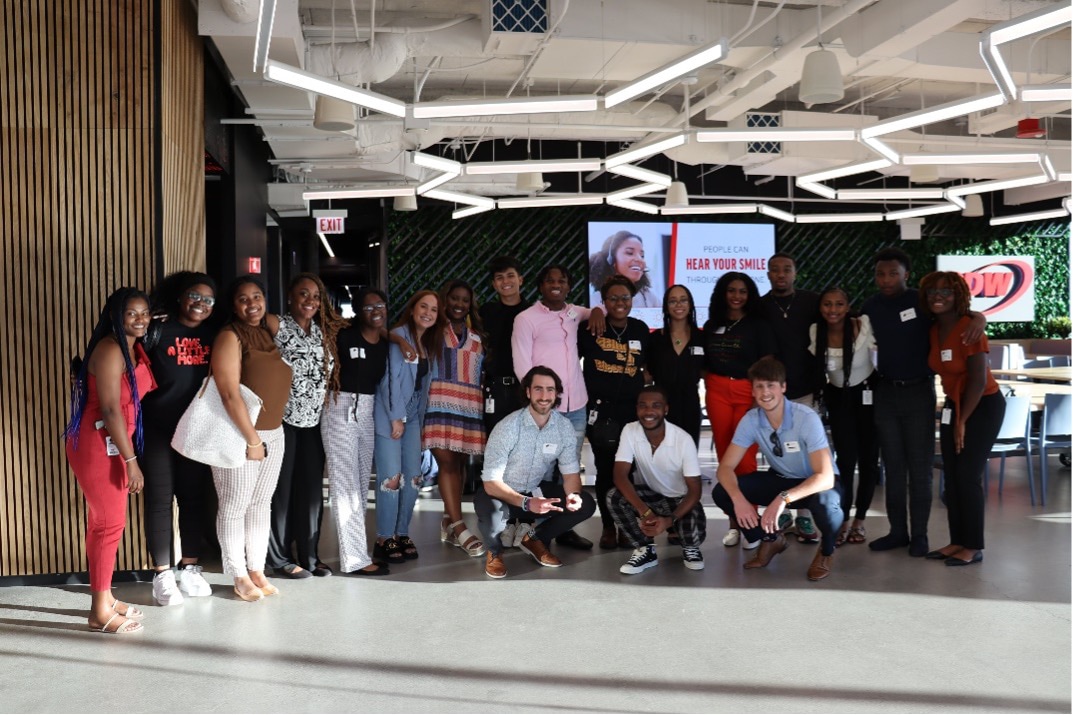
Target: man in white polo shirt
{"x":666,"y":459}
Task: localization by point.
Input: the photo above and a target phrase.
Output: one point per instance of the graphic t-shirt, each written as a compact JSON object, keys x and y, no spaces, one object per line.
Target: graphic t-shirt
{"x":180,"y":361}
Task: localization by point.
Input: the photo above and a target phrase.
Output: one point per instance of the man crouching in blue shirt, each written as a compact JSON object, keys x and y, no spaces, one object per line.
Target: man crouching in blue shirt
{"x":521,"y":450}
{"x":801,"y":473}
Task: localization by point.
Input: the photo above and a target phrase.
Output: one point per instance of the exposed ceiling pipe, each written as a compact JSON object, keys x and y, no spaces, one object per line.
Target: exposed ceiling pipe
{"x":748,"y":30}
{"x":316,"y":30}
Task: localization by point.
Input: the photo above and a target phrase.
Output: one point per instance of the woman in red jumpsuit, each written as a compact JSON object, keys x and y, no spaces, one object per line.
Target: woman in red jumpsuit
{"x":102,"y":438}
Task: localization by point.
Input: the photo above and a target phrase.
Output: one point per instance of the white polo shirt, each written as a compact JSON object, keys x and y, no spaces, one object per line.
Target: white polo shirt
{"x":662,"y":470}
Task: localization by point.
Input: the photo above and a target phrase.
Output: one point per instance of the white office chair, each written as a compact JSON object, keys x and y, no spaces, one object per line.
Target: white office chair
{"x":1055,"y":432}
{"x":1014,"y":436}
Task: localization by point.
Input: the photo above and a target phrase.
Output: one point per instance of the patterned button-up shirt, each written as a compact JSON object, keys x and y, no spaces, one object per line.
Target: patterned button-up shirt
{"x":305,"y":353}
{"x":519,"y":453}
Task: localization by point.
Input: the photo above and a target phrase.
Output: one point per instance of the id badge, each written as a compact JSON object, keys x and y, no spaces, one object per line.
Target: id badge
{"x":719,"y":330}
{"x":791,"y":447}
{"x":867,"y":397}
{"x":98,"y":424}
{"x":354,"y":353}
{"x":110,"y":447}
{"x":946,"y":416}
{"x":697,"y":350}
{"x":411,"y":362}
{"x":908,"y":314}
{"x":592,"y":419}
{"x":831,"y":366}
{"x":549,"y":448}
{"x":490,"y":405}
{"x":946,"y":356}
{"x":634,"y":344}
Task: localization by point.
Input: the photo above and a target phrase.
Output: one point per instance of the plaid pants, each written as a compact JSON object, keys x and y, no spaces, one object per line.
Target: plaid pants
{"x":691,"y":527}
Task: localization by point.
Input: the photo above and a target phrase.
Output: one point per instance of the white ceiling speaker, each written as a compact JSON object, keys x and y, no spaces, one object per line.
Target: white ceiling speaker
{"x":974,"y":208}
{"x":676,"y":196}
{"x":911,"y":228}
{"x":333,"y":115}
{"x":822,"y":80}
{"x":924,"y":174}
{"x":529,"y":181}
{"x":405,"y":203}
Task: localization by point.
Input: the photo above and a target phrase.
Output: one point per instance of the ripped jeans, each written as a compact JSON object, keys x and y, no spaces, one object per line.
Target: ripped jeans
{"x":399,"y":475}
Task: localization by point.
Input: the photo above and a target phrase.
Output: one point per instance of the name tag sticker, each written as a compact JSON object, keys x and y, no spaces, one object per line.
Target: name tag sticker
{"x":719,"y":330}
{"x":867,"y":397}
{"x":572,"y":314}
{"x":946,"y":416}
{"x":110,"y":447}
{"x":490,"y":405}
{"x":592,"y":419}
{"x":908,"y":314}
{"x":98,"y":424}
{"x":351,"y":417}
{"x":413,"y":361}
{"x":634,"y":344}
{"x":791,"y":447}
{"x":697,"y":350}
{"x":354,"y":353}
{"x":946,"y":356}
{"x":831,"y":365}
{"x":475,"y":337}
{"x":549,"y":448}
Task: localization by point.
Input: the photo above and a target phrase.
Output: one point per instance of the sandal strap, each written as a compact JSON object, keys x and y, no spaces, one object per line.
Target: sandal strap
{"x":104,"y":628}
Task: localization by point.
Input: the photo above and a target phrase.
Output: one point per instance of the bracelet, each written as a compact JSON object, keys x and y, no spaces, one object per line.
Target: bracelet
{"x":252,"y":446}
{"x":525,"y":506}
{"x":648,"y":512}
{"x":128,"y":461}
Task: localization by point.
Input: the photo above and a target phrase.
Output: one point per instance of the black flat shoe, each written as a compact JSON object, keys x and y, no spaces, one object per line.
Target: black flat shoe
{"x":937,"y":555}
{"x":381,"y":570}
{"x":574,"y":541}
{"x":293,"y":571}
{"x":321,"y":570}
{"x":953,"y":561}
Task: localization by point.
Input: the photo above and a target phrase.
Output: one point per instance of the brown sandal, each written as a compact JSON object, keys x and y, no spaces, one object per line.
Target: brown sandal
{"x":856,"y":535}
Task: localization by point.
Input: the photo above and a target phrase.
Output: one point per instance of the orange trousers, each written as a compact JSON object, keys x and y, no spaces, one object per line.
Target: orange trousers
{"x":726,"y":401}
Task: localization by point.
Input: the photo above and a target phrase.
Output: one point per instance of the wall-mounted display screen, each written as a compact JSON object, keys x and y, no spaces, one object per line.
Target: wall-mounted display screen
{"x":656,"y":255}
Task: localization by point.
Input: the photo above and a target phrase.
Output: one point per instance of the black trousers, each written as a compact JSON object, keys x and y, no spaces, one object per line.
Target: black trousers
{"x":493,"y":515}
{"x":298,"y":503}
{"x":507,"y":397}
{"x":761,"y":488}
{"x":964,"y":494}
{"x":604,"y":454}
{"x":169,"y":474}
{"x":854,"y":437}
{"x":905,"y":417}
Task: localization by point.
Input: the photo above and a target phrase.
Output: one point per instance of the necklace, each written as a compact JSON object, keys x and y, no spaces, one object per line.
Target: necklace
{"x":781,"y":308}
{"x":729,"y":328}
{"x":618,"y":333}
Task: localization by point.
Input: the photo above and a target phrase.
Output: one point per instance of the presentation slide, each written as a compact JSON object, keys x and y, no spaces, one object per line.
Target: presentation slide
{"x":656,"y":255}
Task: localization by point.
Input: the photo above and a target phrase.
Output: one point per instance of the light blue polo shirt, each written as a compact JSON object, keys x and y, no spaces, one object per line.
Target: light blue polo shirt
{"x":800,"y":433}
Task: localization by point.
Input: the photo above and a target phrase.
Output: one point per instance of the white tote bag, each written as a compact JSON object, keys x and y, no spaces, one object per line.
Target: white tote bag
{"x":206,"y":433}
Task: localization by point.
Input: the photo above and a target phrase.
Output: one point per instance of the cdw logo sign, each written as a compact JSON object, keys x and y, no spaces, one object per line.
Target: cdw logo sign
{"x":1002,"y":287}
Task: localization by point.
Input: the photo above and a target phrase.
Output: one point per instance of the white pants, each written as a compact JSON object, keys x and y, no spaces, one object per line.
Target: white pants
{"x":245,"y":496}
{"x":347,"y":433}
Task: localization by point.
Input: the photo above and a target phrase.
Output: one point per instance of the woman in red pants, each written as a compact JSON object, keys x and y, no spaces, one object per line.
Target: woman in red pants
{"x":734,"y":338}
{"x":103,"y":439}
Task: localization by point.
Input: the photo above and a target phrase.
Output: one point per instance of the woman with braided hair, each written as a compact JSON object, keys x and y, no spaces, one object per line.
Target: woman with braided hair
{"x":306,"y":337}
{"x":103,"y":440}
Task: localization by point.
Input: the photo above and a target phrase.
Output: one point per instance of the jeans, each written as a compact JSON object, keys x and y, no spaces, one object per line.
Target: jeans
{"x":493,"y":516}
{"x":398,"y":458}
{"x":761,"y":488}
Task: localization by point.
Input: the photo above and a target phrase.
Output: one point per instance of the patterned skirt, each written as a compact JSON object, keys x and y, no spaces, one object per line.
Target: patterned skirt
{"x":453,"y":419}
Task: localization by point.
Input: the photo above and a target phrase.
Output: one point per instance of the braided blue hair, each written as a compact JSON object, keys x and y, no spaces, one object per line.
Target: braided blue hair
{"x":110,"y":323}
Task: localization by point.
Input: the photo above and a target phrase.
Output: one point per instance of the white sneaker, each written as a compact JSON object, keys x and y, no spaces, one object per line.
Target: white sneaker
{"x":192,"y":583}
{"x":644,"y":557}
{"x":692,"y":558}
{"x":507,"y":536}
{"x":731,"y":538}
{"x":750,"y":545}
{"x":165,"y":590}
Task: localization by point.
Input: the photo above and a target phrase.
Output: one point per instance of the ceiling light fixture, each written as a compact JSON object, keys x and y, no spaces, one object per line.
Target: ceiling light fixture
{"x":633,"y":205}
{"x":632,"y":191}
{"x":973,"y":158}
{"x":1045,"y":93}
{"x":676,"y":196}
{"x":1034,"y":216}
{"x":537,"y":165}
{"x":263,"y":35}
{"x":638,"y":153}
{"x":463,"y":213}
{"x":300,"y":79}
{"x":839,"y":218}
{"x":333,"y":115}
{"x":982,"y":187}
{"x":545,"y":201}
{"x":776,"y":134}
{"x":888,"y":194}
{"x":432,"y":161}
{"x":324,"y":242}
{"x":857,"y":167}
{"x":930,"y":115}
{"x":637,"y":172}
{"x":822,"y":81}
{"x":711,"y":209}
{"x":819,"y":189}
{"x":358,"y":192}
{"x":671,"y":71}
{"x":433,"y":183}
{"x":497,"y":107}
{"x":461,"y":198}
{"x":881,"y":148}
{"x":1030,"y":24}
{"x":922,"y":211}
{"x":773,"y":212}
{"x":405,"y":203}
{"x":924,"y":174}
{"x":529,"y":181}
{"x":973,"y":207}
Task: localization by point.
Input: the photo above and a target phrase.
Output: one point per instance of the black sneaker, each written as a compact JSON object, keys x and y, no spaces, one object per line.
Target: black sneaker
{"x":692,"y":558}
{"x":644,"y":557}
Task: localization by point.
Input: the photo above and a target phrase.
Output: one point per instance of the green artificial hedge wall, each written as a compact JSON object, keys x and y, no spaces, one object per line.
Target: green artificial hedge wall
{"x":427,"y":247}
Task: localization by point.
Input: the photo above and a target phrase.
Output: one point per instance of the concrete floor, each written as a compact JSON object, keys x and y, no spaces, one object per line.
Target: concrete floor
{"x":885,"y":633}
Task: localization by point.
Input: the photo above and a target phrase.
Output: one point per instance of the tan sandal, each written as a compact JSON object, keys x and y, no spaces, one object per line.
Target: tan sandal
{"x":465,"y":540}
{"x":131,"y":612}
{"x":856,"y":535}
{"x":128,"y":626}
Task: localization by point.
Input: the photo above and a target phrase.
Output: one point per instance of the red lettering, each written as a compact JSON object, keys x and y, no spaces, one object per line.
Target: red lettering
{"x":997,"y":284}
{"x":975,"y":282}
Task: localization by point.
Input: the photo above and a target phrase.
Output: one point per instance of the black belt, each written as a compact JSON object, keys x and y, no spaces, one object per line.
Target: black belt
{"x":509,"y":381}
{"x":905,"y":383}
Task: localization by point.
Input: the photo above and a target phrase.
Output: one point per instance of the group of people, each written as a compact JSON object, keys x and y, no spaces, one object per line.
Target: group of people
{"x":523,"y":385}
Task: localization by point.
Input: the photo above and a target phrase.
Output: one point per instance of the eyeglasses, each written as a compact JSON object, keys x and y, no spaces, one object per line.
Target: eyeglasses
{"x":209,"y":300}
{"x":372,"y":307}
{"x":679,"y":301}
{"x":775,"y":441}
{"x":618,"y":299}
{"x":942,"y":292}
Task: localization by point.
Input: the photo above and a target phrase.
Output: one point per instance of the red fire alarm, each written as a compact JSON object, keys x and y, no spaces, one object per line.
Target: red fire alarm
{"x":253,"y":264}
{"x":1029,"y":128}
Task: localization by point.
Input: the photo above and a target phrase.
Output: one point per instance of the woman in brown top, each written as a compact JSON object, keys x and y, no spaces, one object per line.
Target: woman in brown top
{"x":244,"y":353}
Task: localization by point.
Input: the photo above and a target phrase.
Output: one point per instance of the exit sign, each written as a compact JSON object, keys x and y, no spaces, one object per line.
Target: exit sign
{"x":330,"y":224}
{"x":253,"y":264}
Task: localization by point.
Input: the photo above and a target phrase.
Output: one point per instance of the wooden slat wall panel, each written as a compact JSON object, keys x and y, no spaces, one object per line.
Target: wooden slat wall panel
{"x":76,"y":154}
{"x":182,"y":138}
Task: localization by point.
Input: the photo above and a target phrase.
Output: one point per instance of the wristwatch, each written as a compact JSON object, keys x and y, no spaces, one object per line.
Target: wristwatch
{"x":787,"y":499}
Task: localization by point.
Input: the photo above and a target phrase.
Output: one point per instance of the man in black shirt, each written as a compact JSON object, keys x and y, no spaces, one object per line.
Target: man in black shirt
{"x":501,"y":387}
{"x":791,"y":312}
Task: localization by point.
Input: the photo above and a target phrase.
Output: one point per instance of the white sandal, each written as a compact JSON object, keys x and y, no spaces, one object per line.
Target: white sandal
{"x":127,"y":627}
{"x":465,"y":540}
{"x":132,"y":611}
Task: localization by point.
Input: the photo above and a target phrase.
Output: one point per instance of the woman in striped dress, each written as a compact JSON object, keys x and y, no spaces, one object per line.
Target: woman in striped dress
{"x":453,"y":426}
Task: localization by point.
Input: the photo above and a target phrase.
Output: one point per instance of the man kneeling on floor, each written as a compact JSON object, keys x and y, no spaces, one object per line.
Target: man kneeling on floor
{"x":666,"y":459}
{"x":801,"y":472}
{"x":521,"y":449}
